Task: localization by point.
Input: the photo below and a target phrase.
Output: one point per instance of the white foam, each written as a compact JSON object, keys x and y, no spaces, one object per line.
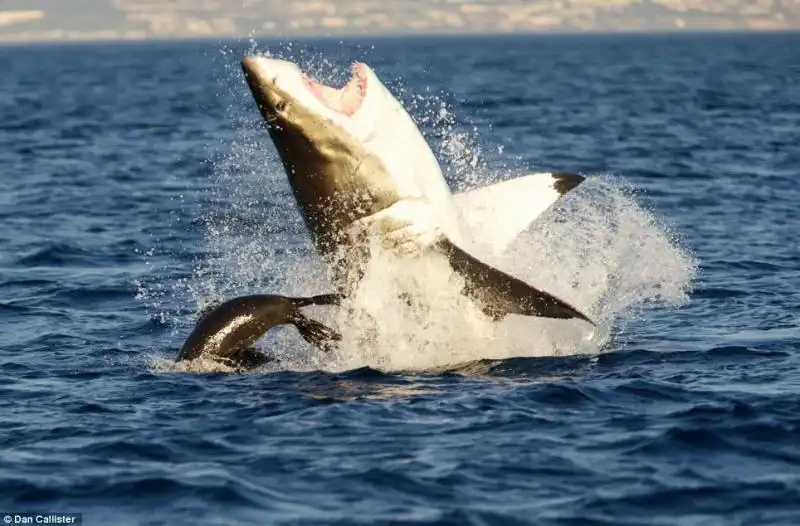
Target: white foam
{"x":599,"y":250}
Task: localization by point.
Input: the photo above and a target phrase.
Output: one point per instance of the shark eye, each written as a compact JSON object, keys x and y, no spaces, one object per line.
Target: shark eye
{"x":280,"y":106}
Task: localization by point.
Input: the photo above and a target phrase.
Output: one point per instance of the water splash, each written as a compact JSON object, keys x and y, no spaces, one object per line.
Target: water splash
{"x":598,"y":249}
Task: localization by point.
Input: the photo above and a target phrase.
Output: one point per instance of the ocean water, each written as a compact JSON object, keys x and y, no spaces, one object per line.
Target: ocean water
{"x":137,"y":185}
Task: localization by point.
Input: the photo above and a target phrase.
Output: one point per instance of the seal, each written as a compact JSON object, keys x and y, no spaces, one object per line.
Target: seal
{"x":227,"y":331}
{"x":358,"y":167}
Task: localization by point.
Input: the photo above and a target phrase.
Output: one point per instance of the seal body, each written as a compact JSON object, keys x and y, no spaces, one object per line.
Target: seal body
{"x":228,"y":330}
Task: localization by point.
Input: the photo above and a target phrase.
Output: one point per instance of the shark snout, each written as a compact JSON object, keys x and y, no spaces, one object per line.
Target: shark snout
{"x":262,"y":75}
{"x":249,"y":63}
{"x":257,"y":71}
{"x":267,"y":70}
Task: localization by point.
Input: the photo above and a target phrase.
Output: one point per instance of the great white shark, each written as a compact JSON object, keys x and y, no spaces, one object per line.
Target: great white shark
{"x":358,"y":165}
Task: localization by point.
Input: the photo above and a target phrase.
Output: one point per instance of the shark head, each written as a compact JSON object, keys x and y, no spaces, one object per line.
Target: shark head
{"x":289,"y":98}
{"x":349,"y":152}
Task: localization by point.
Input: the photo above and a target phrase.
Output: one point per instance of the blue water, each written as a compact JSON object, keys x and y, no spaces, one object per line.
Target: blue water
{"x":125,"y":168}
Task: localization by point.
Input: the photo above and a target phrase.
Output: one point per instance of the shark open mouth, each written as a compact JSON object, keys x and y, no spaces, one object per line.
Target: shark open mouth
{"x":347,"y":99}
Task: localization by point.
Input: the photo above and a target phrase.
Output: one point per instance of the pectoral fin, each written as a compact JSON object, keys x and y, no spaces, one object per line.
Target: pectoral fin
{"x":496,"y":213}
{"x":499,"y":294}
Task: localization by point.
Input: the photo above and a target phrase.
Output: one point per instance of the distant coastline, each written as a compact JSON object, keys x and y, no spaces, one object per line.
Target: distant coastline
{"x":56,"y":21}
{"x":273,"y":37}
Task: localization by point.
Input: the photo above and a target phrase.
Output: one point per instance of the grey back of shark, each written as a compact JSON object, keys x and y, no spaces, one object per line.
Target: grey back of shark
{"x":227,"y":331}
{"x":336,"y":181}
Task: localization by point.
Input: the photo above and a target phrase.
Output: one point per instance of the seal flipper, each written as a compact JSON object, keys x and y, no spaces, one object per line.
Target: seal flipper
{"x":499,"y":294}
{"x":322,"y":299}
{"x":315,"y":332}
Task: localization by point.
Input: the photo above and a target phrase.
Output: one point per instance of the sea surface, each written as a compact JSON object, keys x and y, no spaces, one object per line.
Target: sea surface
{"x":136,"y":184}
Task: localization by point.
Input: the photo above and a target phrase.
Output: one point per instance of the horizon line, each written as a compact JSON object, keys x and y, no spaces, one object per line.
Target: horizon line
{"x":389,"y":35}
